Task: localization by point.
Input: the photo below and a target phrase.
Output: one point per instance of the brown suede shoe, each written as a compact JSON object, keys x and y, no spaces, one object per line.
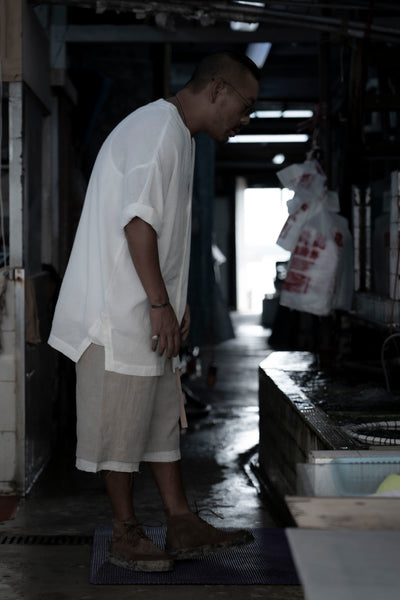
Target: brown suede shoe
{"x":188,"y":536}
{"x":130,"y":548}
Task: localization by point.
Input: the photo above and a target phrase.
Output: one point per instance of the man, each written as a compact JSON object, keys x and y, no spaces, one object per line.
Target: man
{"x":122,"y":311}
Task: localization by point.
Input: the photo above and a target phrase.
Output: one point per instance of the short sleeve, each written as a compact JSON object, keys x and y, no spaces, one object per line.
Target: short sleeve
{"x":144,"y":196}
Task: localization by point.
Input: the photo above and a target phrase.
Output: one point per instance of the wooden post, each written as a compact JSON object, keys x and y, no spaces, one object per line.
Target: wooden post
{"x":11,"y":39}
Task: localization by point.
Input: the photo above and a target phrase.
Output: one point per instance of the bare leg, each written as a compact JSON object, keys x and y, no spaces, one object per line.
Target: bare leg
{"x":168,"y":477}
{"x":130,"y":547}
{"x":119,"y":490}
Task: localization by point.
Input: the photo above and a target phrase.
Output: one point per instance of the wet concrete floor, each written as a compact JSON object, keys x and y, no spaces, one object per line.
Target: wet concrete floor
{"x":215,"y":450}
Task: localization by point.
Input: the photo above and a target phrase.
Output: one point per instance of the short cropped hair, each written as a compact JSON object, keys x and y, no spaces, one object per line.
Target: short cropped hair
{"x":230,"y":65}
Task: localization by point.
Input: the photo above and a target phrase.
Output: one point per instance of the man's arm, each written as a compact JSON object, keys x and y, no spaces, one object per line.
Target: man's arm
{"x":142,"y":243}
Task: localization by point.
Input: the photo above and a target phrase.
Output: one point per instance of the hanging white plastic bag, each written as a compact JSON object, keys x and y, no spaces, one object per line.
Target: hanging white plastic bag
{"x":320,"y":273}
{"x":307,"y":179}
{"x":308,"y":182}
{"x":310,"y":282}
{"x":294,"y":224}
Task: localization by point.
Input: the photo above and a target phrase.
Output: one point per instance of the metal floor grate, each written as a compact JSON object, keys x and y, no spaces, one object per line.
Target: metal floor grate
{"x":46,"y":540}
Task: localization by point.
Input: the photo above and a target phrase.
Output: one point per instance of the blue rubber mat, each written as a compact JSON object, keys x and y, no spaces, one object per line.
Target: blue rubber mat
{"x":267,"y":561}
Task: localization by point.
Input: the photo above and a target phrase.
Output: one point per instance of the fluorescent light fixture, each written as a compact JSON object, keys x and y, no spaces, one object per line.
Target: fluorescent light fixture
{"x":297,"y":114}
{"x":284,"y":114}
{"x":278,"y":159}
{"x":239,"y":26}
{"x":266,"y":114}
{"x":258,"y":52}
{"x":249,"y":3}
{"x":269,"y":138}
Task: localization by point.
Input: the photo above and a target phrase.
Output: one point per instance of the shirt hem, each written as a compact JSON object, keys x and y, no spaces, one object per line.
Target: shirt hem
{"x":140,"y":370}
{"x":110,"y":365}
{"x":66,"y":349}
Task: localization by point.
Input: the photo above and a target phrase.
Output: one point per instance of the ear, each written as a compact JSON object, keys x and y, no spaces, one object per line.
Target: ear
{"x":217,"y":85}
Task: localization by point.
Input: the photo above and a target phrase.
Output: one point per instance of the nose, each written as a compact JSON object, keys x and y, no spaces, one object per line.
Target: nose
{"x":245,"y":120}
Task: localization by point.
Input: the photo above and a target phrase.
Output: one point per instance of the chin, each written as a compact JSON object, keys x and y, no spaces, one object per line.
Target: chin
{"x":224,"y":137}
{"x":221,"y":139}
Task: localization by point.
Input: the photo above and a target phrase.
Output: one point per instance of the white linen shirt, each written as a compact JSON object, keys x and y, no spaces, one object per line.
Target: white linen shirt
{"x":144,"y":169}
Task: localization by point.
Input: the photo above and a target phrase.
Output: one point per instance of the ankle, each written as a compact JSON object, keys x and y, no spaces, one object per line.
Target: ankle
{"x":177,"y":517}
{"x":178,"y":513}
{"x":125,"y":520}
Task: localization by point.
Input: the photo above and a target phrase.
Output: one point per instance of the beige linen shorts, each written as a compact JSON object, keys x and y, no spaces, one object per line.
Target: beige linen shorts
{"x":123,"y":420}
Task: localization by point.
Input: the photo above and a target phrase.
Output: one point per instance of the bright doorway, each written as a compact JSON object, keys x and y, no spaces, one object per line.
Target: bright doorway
{"x":260,"y":216}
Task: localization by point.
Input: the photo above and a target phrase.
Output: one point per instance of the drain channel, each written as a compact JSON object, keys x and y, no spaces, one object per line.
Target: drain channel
{"x":46,"y":540}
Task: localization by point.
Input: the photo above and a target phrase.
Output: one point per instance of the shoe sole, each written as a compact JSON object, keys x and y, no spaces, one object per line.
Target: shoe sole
{"x":147,"y":566}
{"x":207,"y":549}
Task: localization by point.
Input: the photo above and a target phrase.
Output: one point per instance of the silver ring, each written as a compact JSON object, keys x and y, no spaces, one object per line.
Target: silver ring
{"x":155,"y":337}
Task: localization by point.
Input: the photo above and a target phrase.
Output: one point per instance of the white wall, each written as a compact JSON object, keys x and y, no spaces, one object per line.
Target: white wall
{"x":8,"y":418}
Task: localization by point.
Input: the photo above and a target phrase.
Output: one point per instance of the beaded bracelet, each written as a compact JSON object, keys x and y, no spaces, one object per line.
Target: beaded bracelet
{"x":160,"y":305}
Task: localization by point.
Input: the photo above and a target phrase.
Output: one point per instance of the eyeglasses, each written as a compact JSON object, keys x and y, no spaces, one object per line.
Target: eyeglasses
{"x":249,"y":108}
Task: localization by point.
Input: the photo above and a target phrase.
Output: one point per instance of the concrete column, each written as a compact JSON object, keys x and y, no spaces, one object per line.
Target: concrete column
{"x":12,"y":358}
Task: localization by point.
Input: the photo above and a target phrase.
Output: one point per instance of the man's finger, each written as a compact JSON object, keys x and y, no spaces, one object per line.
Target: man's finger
{"x":154,"y":342}
{"x":162,"y":346}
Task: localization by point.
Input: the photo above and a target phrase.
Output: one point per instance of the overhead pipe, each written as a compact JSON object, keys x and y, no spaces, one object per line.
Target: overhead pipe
{"x":210,"y":13}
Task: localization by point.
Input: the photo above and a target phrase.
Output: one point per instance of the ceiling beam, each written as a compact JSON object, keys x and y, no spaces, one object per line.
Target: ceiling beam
{"x":146,"y":33}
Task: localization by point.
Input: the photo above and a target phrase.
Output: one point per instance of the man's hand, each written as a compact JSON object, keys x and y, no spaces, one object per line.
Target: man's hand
{"x":165,"y":326}
{"x":142,"y":242}
{"x":165,"y":330}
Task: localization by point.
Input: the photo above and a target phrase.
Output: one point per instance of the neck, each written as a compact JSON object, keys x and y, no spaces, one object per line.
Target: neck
{"x":183,"y":103}
{"x":180,"y":109}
